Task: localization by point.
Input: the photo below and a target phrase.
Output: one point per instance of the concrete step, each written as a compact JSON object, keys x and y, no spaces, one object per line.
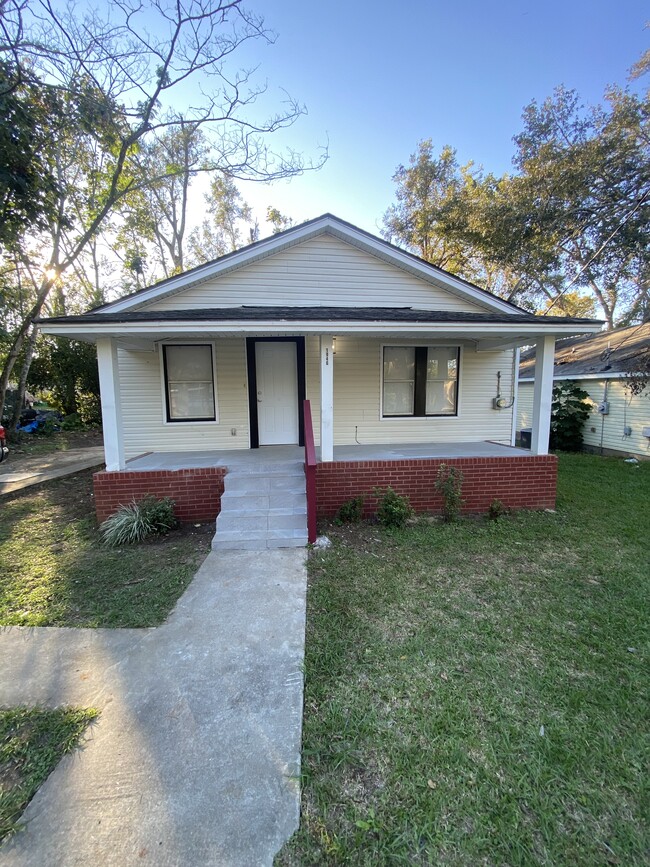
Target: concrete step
{"x":243,"y":502}
{"x":263,"y":483}
{"x":219,"y":544}
{"x":261,"y":522}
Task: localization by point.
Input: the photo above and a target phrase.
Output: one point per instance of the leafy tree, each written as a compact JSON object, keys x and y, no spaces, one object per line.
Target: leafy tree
{"x":278,"y":220}
{"x":67,"y":368}
{"x":426,"y":192}
{"x":222,"y":231}
{"x":573,"y":220}
{"x":114,"y":78}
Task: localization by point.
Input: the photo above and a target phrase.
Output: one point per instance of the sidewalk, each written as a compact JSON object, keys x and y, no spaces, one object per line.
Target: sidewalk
{"x":195,"y":758}
{"x":19,"y":472}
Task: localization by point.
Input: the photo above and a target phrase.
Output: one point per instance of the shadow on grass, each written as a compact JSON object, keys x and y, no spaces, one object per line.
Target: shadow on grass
{"x":58,"y":573}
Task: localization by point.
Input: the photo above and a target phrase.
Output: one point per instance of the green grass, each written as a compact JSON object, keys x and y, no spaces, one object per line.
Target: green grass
{"x":32,"y":740}
{"x":477,"y":693}
{"x":38,"y":445}
{"x":56,"y":571}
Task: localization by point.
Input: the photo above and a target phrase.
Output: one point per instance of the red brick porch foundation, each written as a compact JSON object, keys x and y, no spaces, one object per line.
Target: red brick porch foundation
{"x":196,"y":492}
{"x":525,"y":482}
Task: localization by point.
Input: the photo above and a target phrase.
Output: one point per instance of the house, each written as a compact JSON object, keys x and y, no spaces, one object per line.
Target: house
{"x":600,"y":363}
{"x":403,"y":365}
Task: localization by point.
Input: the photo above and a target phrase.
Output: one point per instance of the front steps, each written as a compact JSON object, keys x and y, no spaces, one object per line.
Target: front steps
{"x":264,"y":507}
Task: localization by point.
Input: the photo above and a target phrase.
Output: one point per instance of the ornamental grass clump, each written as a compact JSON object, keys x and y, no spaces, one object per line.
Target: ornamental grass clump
{"x":138,"y":521}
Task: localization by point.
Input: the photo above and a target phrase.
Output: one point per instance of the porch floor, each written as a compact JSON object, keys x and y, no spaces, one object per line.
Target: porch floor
{"x":257,"y":460}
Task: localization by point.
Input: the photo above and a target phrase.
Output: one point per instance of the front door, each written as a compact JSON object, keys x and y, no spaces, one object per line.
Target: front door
{"x":277,"y":393}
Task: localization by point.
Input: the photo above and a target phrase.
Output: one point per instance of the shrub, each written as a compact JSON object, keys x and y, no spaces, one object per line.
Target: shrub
{"x":72,"y":422}
{"x":449,"y":483}
{"x":497,"y":510}
{"x":351,"y":511}
{"x":393,"y":510}
{"x":569,"y":412}
{"x":138,"y":521}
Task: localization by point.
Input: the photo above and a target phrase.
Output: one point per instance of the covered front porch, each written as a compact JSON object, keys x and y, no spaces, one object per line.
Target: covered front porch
{"x":196,"y":479}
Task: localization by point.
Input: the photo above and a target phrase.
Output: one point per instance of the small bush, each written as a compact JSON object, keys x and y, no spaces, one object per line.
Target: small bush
{"x":497,"y":510}
{"x":139,"y":520}
{"x":569,"y":414}
{"x":394,"y":510}
{"x":449,"y":483}
{"x":351,"y":511}
{"x":72,"y":422}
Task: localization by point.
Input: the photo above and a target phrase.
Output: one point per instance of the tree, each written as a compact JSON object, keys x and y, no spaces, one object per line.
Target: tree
{"x":115,"y":79}
{"x":278,"y":220}
{"x":573,"y":221}
{"x":229,"y":216}
{"x":426,"y":191}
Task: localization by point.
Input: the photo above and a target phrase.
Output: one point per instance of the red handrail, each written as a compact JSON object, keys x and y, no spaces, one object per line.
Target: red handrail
{"x":310,"y":472}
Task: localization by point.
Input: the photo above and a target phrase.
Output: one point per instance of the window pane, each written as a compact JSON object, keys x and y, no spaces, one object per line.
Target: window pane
{"x":399,"y":363}
{"x":441,"y":397}
{"x":398,"y":398}
{"x":190,"y":384}
{"x":189,"y":363}
{"x":442,"y":362}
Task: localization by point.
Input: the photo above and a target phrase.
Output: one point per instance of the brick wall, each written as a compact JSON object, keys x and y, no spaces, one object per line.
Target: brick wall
{"x":525,"y":482}
{"x":196,"y":492}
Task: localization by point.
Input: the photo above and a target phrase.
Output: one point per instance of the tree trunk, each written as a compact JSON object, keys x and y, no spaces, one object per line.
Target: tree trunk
{"x":22,"y":382}
{"x":17,"y":345}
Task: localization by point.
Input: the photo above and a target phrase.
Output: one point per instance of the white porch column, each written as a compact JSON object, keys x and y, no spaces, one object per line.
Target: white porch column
{"x":326,"y":397}
{"x":109,"y":384}
{"x":542,"y":395}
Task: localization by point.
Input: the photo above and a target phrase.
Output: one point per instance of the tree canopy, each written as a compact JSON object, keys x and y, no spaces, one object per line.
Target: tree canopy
{"x":568,"y":230}
{"x":97,"y":147}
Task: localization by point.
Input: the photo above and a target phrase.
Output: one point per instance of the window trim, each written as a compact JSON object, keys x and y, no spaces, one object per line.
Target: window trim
{"x":167,"y":419}
{"x":419,"y":399}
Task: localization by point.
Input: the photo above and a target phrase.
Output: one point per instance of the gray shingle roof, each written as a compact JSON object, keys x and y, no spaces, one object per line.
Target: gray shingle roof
{"x":608,"y":353}
{"x":314,"y":314}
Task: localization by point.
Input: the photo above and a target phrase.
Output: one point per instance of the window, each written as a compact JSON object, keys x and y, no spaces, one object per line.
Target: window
{"x":420,"y":381}
{"x":189,"y":382}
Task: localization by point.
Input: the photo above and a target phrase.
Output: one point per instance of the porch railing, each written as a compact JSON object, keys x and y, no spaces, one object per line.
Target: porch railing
{"x":310,"y":472}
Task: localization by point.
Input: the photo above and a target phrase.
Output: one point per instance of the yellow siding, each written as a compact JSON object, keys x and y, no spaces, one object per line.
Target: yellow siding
{"x":357,"y":399}
{"x":143,"y":405}
{"x":605,"y":430}
{"x":323,"y":271}
{"x":357,"y":396}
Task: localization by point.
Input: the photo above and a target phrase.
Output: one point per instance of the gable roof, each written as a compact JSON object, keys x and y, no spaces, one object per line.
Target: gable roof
{"x":325,"y":224}
{"x":606,"y":355}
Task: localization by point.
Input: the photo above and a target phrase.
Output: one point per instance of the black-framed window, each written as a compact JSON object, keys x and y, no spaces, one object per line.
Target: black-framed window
{"x":420,"y":381}
{"x":189,"y":382}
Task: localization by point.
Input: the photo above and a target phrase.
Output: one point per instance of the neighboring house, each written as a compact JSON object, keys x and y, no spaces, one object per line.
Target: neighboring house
{"x":404,"y":364}
{"x":600,"y":364}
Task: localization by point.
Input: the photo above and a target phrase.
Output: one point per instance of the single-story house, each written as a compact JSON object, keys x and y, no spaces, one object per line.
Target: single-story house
{"x":400,"y":365}
{"x":619,"y":422}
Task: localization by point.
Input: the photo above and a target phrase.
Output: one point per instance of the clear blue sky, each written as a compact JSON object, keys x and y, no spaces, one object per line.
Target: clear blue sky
{"x":377,"y":77}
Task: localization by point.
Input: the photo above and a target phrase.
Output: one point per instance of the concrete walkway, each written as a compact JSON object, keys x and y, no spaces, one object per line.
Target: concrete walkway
{"x":19,"y":472}
{"x":195,"y":758}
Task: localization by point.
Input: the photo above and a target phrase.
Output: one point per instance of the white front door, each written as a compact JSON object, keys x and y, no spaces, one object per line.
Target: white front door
{"x":277,"y":393}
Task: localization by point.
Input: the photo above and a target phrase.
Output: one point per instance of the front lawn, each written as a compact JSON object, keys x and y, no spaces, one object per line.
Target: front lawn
{"x":477,"y":693}
{"x":32,"y":740}
{"x":56,"y":572}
